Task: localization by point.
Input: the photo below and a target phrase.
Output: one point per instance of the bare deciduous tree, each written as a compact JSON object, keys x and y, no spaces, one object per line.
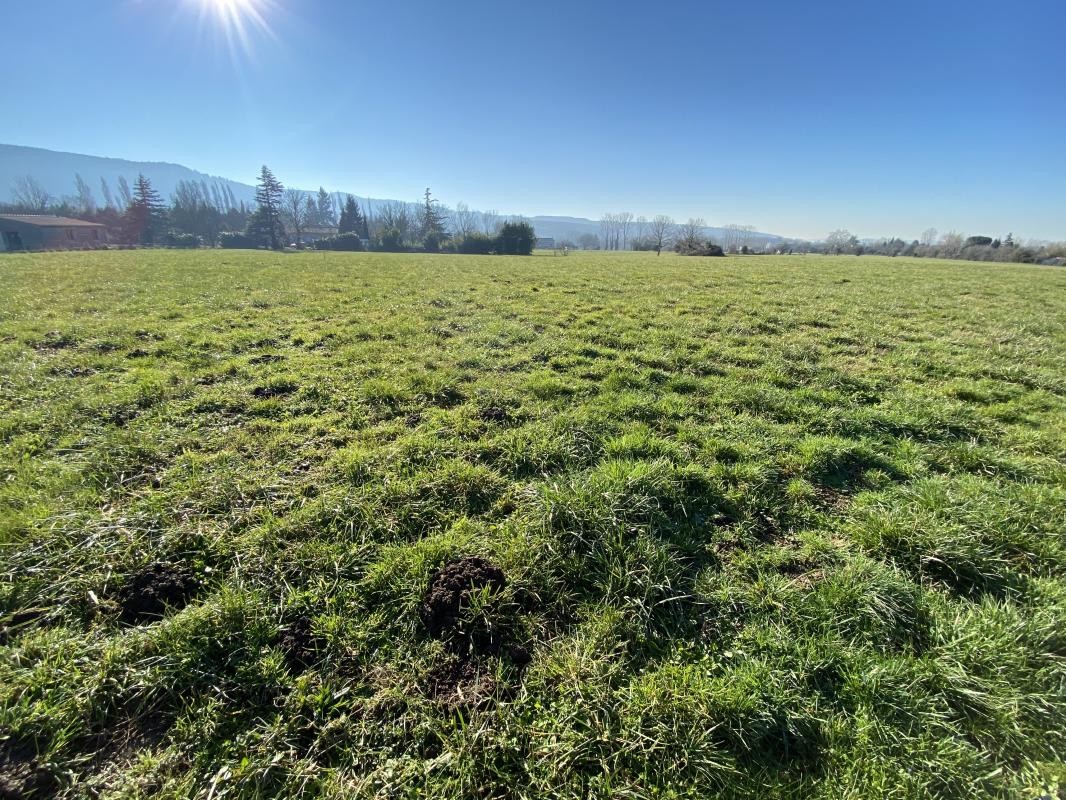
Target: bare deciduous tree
{"x":491,"y":222}
{"x":640,"y":230}
{"x":662,"y":231}
{"x":841,"y":241}
{"x":295,"y":209}
{"x":86,"y":202}
{"x":464,"y":221}
{"x":625,"y":220}
{"x":30,"y":195}
{"x":690,"y":235}
{"x":124,"y":191}
{"x":929,"y":237}
{"x":951,"y":244}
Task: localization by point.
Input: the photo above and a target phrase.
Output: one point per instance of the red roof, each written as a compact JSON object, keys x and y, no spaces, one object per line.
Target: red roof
{"x":50,"y":221}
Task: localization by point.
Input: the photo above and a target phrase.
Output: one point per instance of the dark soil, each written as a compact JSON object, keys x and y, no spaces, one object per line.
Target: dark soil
{"x":494,"y":414}
{"x":14,"y":624}
{"x":55,"y":340}
{"x":21,"y":775}
{"x":273,"y":390}
{"x":449,"y":590}
{"x":160,"y":586}
{"x":460,"y":683}
{"x":299,"y":643}
{"x":466,"y":678}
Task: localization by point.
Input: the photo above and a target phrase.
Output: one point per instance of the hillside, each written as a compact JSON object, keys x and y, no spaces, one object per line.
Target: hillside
{"x":55,"y":172}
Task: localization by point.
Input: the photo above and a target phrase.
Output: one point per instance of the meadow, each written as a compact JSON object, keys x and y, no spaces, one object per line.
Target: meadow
{"x":605,"y":525}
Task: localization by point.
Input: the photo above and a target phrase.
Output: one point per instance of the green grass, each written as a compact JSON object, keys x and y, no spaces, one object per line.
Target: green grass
{"x":771,"y":527}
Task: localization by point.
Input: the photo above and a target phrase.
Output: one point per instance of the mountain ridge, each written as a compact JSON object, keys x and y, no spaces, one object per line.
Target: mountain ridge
{"x":55,"y":170}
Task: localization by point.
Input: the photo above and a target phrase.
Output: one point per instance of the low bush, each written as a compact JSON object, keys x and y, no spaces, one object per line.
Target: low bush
{"x":477,"y":244}
{"x":182,"y":241}
{"x":233,"y":240}
{"x":349,"y":242}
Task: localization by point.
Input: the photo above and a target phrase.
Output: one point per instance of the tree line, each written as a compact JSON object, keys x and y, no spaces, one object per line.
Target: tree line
{"x":952,"y":245}
{"x":200,"y":213}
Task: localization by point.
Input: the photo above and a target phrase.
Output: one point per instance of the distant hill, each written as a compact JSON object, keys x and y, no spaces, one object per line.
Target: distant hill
{"x":55,"y":172}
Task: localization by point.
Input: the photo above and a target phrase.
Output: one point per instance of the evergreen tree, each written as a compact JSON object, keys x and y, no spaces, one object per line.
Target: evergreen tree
{"x":431,"y":224}
{"x":324,"y":212}
{"x":265,"y":225}
{"x":352,"y":219}
{"x":516,"y":238}
{"x":146,"y":215}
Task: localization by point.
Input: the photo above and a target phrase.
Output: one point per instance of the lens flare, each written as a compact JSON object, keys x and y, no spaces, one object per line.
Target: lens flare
{"x":240,"y":21}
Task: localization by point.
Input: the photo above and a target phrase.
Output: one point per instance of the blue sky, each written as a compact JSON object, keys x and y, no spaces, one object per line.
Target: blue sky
{"x":882,"y":117}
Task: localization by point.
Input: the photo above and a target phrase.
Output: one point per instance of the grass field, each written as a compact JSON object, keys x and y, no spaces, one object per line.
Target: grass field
{"x":356,"y":525}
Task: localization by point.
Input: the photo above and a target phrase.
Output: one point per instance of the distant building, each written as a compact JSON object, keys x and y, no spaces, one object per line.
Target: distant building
{"x":545,"y":243}
{"x":316,"y":232}
{"x":49,"y":232}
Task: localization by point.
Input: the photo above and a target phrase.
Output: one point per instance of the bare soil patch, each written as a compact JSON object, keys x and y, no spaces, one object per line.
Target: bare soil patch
{"x":151,"y":592}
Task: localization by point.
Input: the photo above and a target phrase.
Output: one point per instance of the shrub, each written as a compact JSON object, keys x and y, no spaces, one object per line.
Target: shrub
{"x":705,"y":249}
{"x":516,"y":239}
{"x":184,"y":241}
{"x":477,"y":244}
{"x":391,"y":240}
{"x":233,"y":240}
{"x":349,"y":242}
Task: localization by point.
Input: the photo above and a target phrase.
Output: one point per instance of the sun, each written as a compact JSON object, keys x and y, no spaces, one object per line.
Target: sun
{"x":241,"y":22}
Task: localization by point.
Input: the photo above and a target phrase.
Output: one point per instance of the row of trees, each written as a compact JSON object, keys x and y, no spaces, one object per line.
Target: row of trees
{"x":207,"y":213}
{"x":623,"y":231}
{"x":948,"y":245}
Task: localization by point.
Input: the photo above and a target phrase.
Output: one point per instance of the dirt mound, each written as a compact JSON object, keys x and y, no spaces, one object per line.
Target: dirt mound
{"x":460,"y":683}
{"x":449,"y":592}
{"x":476,"y":637}
{"x":494,"y":414}
{"x":149,"y":593}
{"x":299,"y":643}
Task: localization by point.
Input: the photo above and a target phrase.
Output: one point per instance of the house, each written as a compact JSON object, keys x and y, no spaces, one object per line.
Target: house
{"x":545,"y":243}
{"x":49,"y":232}
{"x":313,"y":233}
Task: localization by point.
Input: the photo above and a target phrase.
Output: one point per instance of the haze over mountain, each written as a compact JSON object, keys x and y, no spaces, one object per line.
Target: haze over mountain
{"x":55,"y":171}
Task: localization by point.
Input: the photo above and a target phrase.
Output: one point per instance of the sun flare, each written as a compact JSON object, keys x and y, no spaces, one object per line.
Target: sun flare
{"x":240,"y":21}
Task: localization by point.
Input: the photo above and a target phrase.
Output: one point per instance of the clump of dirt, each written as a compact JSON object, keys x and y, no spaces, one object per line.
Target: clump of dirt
{"x":449,"y":592}
{"x":299,"y":644}
{"x":460,"y":683}
{"x":56,"y":340}
{"x":273,"y":390}
{"x":476,"y":644}
{"x":266,"y":358}
{"x":158,"y":587}
{"x":494,"y":414}
{"x":22,"y":776}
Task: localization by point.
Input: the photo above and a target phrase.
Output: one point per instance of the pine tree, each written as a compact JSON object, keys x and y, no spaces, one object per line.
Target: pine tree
{"x":352,"y":219}
{"x":265,"y":225}
{"x":431,"y":223}
{"x":146,"y":214}
{"x":324,"y":212}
